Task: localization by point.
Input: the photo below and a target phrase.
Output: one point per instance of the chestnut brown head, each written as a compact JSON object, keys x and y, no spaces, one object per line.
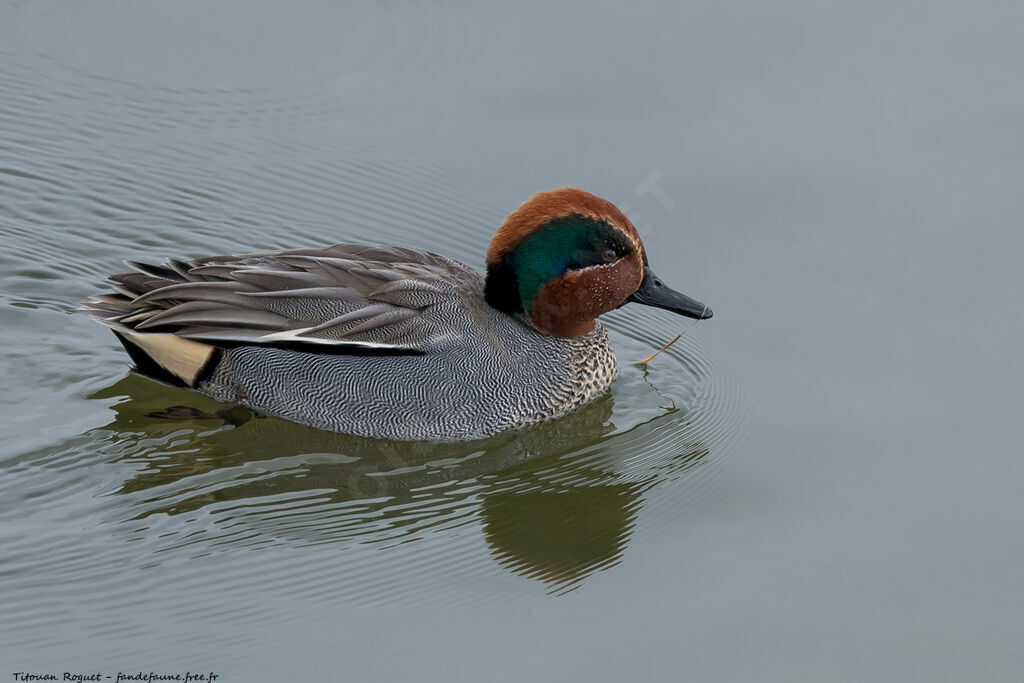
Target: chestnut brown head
{"x":565,"y":257}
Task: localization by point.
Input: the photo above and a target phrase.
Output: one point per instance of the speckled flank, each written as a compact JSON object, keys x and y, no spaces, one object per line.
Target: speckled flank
{"x":500,"y":375}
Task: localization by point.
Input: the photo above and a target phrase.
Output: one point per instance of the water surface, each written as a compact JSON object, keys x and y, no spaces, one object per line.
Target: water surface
{"x":820,"y":483}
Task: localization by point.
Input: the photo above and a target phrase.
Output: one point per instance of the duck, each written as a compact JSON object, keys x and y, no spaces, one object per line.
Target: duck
{"x":395,"y":343}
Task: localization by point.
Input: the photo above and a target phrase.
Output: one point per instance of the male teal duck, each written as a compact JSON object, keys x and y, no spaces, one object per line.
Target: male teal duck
{"x":398,"y":343}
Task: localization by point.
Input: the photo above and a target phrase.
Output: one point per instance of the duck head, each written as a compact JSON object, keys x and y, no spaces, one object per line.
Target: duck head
{"x":565,"y":256}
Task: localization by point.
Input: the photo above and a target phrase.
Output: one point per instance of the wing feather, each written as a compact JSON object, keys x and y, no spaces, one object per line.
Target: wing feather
{"x":343,"y":296}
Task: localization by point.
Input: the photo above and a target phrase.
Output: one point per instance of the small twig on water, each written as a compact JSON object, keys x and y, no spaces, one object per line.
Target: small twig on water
{"x":651,"y":357}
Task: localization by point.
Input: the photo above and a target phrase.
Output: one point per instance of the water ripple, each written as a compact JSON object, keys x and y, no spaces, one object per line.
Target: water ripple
{"x":125,"y":506}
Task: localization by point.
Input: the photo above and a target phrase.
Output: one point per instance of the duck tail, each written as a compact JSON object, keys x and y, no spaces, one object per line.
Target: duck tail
{"x":161,"y":355}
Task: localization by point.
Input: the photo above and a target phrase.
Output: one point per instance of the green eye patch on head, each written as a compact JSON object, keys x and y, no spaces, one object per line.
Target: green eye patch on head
{"x":570,"y":243}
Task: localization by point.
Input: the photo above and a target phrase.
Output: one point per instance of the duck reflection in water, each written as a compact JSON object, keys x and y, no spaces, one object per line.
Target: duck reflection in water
{"x":555,"y":502}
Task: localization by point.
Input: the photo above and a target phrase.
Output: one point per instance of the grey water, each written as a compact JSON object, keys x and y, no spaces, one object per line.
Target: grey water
{"x":823,"y":482}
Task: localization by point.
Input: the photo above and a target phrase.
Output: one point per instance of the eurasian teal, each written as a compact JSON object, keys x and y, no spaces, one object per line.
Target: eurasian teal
{"x":398,"y":343}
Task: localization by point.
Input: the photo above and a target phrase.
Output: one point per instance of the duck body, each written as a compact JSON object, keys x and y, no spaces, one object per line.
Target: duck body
{"x":389,"y":342}
{"x":481,"y":371}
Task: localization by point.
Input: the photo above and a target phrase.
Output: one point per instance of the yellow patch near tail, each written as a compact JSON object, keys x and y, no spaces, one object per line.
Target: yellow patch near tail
{"x":183,"y":358}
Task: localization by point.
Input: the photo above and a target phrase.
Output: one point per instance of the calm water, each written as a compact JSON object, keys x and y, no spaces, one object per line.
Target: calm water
{"x":821,"y":483}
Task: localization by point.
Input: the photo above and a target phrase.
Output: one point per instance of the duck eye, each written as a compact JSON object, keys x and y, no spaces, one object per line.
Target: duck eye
{"x":610,"y":255}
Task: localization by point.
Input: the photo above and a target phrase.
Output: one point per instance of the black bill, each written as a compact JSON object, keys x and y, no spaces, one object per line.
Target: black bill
{"x":654,"y":292}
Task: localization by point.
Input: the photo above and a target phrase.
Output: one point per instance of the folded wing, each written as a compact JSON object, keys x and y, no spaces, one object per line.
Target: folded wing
{"x":340,"y":299}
